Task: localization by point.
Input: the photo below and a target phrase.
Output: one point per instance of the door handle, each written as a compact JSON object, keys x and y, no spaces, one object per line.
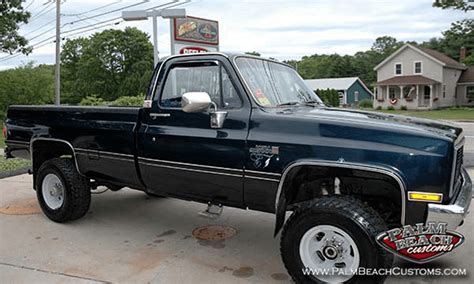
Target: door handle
{"x":155,"y":115}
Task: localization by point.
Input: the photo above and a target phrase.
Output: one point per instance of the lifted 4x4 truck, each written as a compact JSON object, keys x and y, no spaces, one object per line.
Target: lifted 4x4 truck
{"x":246,"y":132}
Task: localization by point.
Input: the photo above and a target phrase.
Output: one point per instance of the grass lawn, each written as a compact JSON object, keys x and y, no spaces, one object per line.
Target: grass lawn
{"x":447,"y":114}
{"x":12,"y":164}
{"x":2,"y":142}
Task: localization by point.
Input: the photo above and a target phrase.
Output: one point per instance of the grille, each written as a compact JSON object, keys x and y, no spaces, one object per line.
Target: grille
{"x":457,"y":170}
{"x":459,"y":161}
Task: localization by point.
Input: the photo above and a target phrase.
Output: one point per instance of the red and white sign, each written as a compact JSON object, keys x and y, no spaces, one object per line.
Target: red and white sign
{"x":420,"y":243}
{"x":192,"y":50}
{"x":192,"y":35}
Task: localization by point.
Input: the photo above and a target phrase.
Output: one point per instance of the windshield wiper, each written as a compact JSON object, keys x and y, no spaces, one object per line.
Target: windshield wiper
{"x":288,"y":104}
{"x":313,"y":102}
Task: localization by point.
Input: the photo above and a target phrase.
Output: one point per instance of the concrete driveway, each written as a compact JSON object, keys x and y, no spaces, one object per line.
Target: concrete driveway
{"x":130,"y":237}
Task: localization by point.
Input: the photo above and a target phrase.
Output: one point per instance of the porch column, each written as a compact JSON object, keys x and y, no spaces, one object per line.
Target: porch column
{"x":401,"y":92}
{"x":431,"y":96}
{"x":386,"y":92}
{"x":417,"y":96}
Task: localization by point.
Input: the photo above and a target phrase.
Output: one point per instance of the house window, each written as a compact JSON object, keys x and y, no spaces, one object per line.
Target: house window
{"x":398,"y":69}
{"x":417,"y":67}
{"x":391,"y":92}
{"x":470,"y":93}
{"x":444,"y":91}
{"x":356,"y":96}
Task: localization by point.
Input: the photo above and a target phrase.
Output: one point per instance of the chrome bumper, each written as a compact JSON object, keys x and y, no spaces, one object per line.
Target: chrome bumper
{"x":453,"y":213}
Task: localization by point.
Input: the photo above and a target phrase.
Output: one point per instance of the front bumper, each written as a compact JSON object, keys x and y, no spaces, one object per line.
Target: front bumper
{"x":453,"y":213}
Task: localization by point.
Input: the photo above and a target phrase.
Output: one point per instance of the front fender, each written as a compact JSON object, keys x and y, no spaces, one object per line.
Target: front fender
{"x":291,"y":169}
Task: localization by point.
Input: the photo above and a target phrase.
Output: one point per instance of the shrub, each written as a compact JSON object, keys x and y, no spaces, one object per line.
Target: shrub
{"x":366,"y":104}
{"x":92,"y":100}
{"x":129,"y":101}
{"x":379,"y":108}
{"x":403,"y":107}
{"x":390,"y":108}
{"x":330,"y":97}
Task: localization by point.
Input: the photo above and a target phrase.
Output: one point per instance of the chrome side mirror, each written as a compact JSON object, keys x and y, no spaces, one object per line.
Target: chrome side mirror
{"x":217,"y":117}
{"x":195,"y":102}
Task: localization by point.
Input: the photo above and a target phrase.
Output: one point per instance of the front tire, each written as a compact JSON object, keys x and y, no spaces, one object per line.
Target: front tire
{"x":63,"y":194}
{"x":333,"y":232}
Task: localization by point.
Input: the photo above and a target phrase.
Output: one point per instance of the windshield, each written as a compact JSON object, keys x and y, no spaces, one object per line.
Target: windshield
{"x":273,"y":84}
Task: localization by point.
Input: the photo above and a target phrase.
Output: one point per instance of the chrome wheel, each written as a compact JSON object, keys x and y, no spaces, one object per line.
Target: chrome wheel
{"x":327,"y":249}
{"x":52,"y":189}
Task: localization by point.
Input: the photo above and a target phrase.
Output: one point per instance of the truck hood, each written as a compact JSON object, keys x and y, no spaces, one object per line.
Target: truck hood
{"x":397,"y":123}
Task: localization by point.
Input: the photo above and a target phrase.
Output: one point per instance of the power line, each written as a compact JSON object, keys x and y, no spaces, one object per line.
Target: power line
{"x":43,"y":11}
{"x":108,"y":12}
{"x":28,"y":6}
{"x":40,"y":28}
{"x":173,"y":4}
{"x":94,"y":16}
{"x":92,"y":10}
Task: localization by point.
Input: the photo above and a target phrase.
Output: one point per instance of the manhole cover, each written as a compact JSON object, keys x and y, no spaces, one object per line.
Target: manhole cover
{"x":21,"y":207}
{"x":214,"y":232}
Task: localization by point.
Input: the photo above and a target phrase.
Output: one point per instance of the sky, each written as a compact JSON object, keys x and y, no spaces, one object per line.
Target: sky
{"x":279,"y":29}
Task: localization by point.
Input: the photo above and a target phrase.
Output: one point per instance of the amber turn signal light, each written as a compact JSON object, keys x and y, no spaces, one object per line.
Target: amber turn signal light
{"x":425,"y":196}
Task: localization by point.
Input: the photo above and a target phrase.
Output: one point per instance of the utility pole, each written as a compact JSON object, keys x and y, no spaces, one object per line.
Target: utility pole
{"x":155,"y":39}
{"x":57,"y":75}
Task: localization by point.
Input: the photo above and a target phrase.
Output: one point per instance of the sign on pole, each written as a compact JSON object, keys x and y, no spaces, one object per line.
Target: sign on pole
{"x":194,"y":35}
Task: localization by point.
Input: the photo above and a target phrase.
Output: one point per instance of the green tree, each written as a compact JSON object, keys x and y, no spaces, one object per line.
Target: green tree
{"x":12,"y":14}
{"x":386,"y":45}
{"x":26,"y":85}
{"x":254,"y":53}
{"x":330,"y":97}
{"x":460,"y":34}
{"x":453,"y":4}
{"x":469,"y":60}
{"x":110,"y":64}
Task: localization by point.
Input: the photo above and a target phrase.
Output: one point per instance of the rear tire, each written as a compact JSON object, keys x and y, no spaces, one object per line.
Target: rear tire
{"x":63,"y":194}
{"x":333,"y":231}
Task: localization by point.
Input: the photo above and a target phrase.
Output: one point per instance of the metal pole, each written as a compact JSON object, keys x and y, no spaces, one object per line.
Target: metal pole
{"x":155,"y":39}
{"x":172,"y":48}
{"x":57,"y":76}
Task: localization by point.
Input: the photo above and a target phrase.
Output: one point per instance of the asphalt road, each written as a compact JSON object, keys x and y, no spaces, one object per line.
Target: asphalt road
{"x":129,"y":237}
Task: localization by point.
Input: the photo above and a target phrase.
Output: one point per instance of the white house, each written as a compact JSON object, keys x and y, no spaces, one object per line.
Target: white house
{"x":422,"y":78}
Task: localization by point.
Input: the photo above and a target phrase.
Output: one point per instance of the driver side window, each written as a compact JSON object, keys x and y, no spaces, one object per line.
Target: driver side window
{"x":212,"y":79}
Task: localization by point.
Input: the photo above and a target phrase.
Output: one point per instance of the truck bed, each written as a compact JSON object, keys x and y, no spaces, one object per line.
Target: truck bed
{"x":92,"y":132}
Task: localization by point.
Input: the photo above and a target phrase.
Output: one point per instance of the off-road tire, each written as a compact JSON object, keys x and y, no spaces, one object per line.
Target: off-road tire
{"x":77,"y":196}
{"x":351,"y":215}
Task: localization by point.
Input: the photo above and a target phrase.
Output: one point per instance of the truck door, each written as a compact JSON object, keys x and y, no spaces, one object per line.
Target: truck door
{"x":179,"y":153}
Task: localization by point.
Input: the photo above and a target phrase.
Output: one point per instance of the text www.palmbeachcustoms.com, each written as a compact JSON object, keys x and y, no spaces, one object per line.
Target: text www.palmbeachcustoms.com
{"x":394,"y":271}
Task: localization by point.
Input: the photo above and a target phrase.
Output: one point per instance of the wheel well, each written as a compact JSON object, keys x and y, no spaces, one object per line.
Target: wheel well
{"x":378,"y":190}
{"x":44,"y":150}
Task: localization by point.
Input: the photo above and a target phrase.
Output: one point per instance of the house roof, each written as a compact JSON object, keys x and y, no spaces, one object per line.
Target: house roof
{"x":332,"y":83}
{"x":340,"y":84}
{"x":434,"y":55}
{"x":408,"y":80}
{"x":467,"y":76}
{"x":442,"y":57}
